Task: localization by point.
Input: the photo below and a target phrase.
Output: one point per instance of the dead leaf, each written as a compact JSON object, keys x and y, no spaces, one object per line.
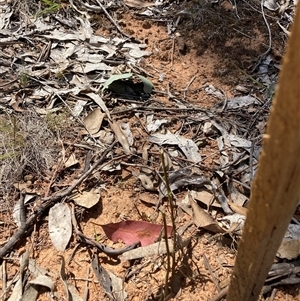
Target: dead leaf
{"x":16,"y":212}
{"x":289,"y":249}
{"x":202,"y":219}
{"x":102,"y":276}
{"x":99,"y":101}
{"x":72,"y":294}
{"x":118,"y":289}
{"x":135,"y":231}
{"x":60,"y":226}
{"x":32,"y":289}
{"x":93,"y":122}
{"x":71,"y":161}
{"x":188,"y":146}
{"x":205,"y":197}
{"x":120,"y":136}
{"x":237,"y":208}
{"x":18,"y":288}
{"x":87,"y":199}
{"x":138,"y":3}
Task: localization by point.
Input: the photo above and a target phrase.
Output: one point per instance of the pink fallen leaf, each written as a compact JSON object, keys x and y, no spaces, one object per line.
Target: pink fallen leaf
{"x":135,"y":231}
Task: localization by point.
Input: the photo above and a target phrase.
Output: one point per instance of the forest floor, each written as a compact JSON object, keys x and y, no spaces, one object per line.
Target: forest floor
{"x":199,"y":56}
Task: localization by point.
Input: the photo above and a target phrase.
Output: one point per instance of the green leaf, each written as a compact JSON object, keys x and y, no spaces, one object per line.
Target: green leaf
{"x":148,"y":86}
{"x":116,"y":83}
{"x":114,"y":78}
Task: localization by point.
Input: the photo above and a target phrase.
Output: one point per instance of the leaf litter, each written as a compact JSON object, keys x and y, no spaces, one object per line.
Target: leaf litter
{"x":87,"y":107}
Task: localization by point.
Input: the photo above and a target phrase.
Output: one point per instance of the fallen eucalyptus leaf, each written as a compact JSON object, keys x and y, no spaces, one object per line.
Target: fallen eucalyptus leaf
{"x":135,"y":231}
{"x":99,"y":101}
{"x":237,"y":208}
{"x":289,"y":249}
{"x":18,"y":288}
{"x":120,"y":136}
{"x":71,"y":161}
{"x":60,"y":226}
{"x":102,"y":276}
{"x":72,"y":294}
{"x":33,"y":288}
{"x":118,"y":290}
{"x":87,"y":199}
{"x":93,"y":122}
{"x":202,"y":219}
{"x":188,"y":146}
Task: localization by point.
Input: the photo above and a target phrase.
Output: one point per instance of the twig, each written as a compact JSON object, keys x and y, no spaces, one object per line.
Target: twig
{"x":86,"y":288}
{"x":172,"y":213}
{"x":208,"y":267}
{"x":270,"y":38}
{"x":221,"y":294}
{"x":4,"y":278}
{"x":172,"y":53}
{"x":166,"y":289}
{"x":187,"y":87}
{"x":108,"y":251}
{"x":225,"y":101}
{"x":47,"y":203}
{"x":22,"y":208}
{"x":9,"y":83}
{"x":251,"y":161}
{"x":273,"y":294}
{"x":134,"y":109}
{"x":73,"y":253}
{"x":236,"y":10}
{"x":114,"y":22}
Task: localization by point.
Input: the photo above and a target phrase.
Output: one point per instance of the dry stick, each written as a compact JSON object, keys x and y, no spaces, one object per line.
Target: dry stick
{"x":4,"y":278}
{"x":172,"y":209}
{"x":221,"y":294}
{"x":166,"y":291}
{"x":172,"y":53}
{"x":11,"y":282}
{"x":48,"y":202}
{"x":113,"y":21}
{"x":208,"y":267}
{"x":101,"y":247}
{"x":270,"y":38}
{"x":86,"y":288}
{"x":187,"y":86}
{"x":136,"y":109}
{"x":273,"y":294}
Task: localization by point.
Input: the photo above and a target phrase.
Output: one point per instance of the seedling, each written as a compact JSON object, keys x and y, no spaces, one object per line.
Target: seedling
{"x":51,"y":7}
{"x":24,"y":79}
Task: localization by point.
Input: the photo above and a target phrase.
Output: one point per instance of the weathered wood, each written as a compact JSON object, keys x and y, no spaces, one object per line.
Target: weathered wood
{"x":276,"y":188}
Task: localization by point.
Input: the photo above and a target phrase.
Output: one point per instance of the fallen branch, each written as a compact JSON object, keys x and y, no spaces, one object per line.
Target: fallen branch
{"x":46,"y":204}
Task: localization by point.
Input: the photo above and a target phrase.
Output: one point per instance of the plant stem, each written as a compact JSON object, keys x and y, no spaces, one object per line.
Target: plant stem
{"x":172,"y":212}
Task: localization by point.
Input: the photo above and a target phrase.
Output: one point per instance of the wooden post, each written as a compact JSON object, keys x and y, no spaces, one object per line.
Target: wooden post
{"x":276,"y":188}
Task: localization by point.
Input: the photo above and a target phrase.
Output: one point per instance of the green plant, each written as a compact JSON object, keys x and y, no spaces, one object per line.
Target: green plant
{"x":51,"y":7}
{"x":24,"y":79}
{"x":56,"y":122}
{"x":11,"y":137}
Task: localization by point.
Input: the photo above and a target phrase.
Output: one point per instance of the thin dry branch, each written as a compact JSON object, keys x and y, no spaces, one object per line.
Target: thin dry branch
{"x":46,"y":204}
{"x":101,"y":247}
